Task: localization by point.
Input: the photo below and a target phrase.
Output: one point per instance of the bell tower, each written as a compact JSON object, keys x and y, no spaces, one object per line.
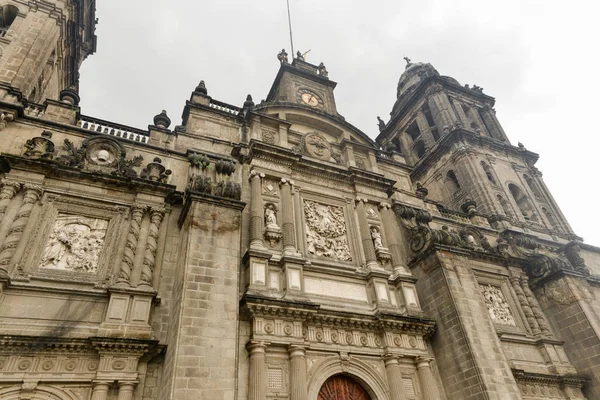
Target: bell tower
{"x":42,"y":45}
{"x":459,"y":152}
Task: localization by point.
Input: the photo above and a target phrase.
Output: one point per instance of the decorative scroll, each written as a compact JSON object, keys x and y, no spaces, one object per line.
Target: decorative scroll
{"x":326,"y":234}
{"x":497,"y":305}
{"x":75,"y":244}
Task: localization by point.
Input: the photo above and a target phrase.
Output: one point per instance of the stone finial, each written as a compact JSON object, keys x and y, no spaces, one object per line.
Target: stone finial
{"x":162,"y":120}
{"x":201,"y":88}
{"x":421,"y":191}
{"x":70,"y":96}
{"x":248,"y":103}
{"x":407,"y":61}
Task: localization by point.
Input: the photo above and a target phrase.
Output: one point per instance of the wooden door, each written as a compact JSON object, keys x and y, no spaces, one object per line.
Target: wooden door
{"x":340,"y":387}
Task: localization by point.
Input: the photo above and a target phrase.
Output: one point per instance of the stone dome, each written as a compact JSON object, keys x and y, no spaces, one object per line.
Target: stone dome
{"x":413,"y":74}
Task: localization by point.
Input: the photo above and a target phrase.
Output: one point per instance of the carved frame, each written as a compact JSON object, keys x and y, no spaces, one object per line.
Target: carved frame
{"x":52,"y":206}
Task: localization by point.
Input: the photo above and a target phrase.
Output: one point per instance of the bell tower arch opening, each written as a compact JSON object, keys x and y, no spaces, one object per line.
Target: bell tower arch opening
{"x":342,"y":387}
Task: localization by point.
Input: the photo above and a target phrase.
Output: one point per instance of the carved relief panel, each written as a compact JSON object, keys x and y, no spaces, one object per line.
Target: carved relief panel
{"x":498,"y":307}
{"x":326,"y":233}
{"x":74,"y":239}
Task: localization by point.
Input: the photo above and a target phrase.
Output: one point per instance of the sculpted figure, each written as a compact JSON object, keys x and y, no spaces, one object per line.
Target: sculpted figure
{"x":282,"y":57}
{"x":322,"y":70}
{"x":376,"y":236}
{"x":270,"y":217}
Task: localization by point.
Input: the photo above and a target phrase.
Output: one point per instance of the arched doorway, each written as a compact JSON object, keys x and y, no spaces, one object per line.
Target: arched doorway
{"x":341,"y":387}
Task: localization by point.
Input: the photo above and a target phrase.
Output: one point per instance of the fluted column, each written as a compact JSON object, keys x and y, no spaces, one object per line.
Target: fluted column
{"x":257,"y":382}
{"x":515,"y":281}
{"x":394,"y":377}
{"x":535,"y":307}
{"x":137,"y":212}
{"x":440,"y":108}
{"x":426,"y":133}
{"x":428,"y":383}
{"x":365,"y":232}
{"x":287,"y":218}
{"x":256,"y":210}
{"x":393,"y":240}
{"x":8,"y":191}
{"x":126,"y":390}
{"x":156,"y":217}
{"x":100,"y":390}
{"x":298,"y":388}
{"x":31,"y":196}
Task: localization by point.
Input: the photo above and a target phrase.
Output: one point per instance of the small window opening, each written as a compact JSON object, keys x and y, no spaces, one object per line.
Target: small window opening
{"x":413,"y":131}
{"x":8,"y":13}
{"x":523,"y":202}
{"x":452,"y":180}
{"x":420,"y":149}
{"x":488,"y":172}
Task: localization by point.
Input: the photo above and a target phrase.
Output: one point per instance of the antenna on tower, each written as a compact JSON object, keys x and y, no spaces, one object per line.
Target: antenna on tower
{"x":290,"y":24}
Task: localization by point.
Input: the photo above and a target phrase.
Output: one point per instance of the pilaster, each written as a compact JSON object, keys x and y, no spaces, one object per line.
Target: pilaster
{"x":394,"y":377}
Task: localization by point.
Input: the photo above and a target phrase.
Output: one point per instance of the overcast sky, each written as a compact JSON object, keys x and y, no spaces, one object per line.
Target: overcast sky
{"x":539,"y":59}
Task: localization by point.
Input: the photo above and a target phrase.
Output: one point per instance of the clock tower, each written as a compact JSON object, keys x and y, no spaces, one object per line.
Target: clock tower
{"x":302,"y":84}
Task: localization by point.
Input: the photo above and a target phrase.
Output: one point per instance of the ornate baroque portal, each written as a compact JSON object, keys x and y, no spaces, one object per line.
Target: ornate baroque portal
{"x":340,"y":387}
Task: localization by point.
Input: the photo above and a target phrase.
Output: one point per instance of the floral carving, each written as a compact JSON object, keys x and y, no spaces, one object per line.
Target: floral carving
{"x":73,"y":156}
{"x":497,"y":306}
{"x":326,"y":231}
{"x":75,"y":244}
{"x":125,"y":167}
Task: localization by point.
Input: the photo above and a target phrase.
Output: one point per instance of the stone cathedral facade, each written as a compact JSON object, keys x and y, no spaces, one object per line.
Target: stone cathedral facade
{"x":273,"y":250}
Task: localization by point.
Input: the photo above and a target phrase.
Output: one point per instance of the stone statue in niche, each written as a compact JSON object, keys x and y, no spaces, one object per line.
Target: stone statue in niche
{"x":75,"y":244}
{"x":383,"y":254}
{"x":272,"y":230}
{"x":270,"y":217}
{"x":326,"y":234}
{"x":376,"y":236}
{"x":498,"y":308}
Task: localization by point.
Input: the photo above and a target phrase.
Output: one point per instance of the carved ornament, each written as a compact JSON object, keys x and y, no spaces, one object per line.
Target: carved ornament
{"x":326,"y":233}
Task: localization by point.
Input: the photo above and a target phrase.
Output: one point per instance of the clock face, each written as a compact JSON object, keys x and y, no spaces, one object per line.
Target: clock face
{"x":310,"y":98}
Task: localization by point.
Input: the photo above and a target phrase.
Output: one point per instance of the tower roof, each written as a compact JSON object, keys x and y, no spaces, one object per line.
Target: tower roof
{"x":412,"y":75}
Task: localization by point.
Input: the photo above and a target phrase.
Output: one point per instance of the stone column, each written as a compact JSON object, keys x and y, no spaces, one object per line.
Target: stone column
{"x":394,"y":377}
{"x":257,"y":381}
{"x":460,"y":113}
{"x":8,"y":191}
{"x":535,"y":307}
{"x":126,"y":390}
{"x":392,"y":235}
{"x":137,"y":212}
{"x":31,"y":196}
{"x":515,"y":281}
{"x":365,"y":233}
{"x":156,"y":217}
{"x":428,"y":383}
{"x":298,"y":388}
{"x":256,"y":211}
{"x":287,"y":218}
{"x":426,"y":133}
{"x":489,"y":117}
{"x":100,"y":390}
{"x":440,"y":108}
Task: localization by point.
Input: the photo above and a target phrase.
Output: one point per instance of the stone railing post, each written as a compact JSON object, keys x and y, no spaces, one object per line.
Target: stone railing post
{"x":256,"y":211}
{"x":298,"y":389}
{"x":365,"y":234}
{"x":287,"y":226}
{"x":137,"y":213}
{"x":394,"y":377}
{"x":156,"y":217}
{"x":9,"y":247}
{"x":428,"y":383}
{"x":257,"y":382}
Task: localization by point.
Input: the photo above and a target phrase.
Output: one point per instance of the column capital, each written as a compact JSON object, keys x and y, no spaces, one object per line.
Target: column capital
{"x":257,"y":347}
{"x":383,"y":205}
{"x":285,"y":181}
{"x":362,"y":200}
{"x":256,"y":174}
{"x":390,"y":359}
{"x":296,"y":350}
{"x":423,"y":362}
